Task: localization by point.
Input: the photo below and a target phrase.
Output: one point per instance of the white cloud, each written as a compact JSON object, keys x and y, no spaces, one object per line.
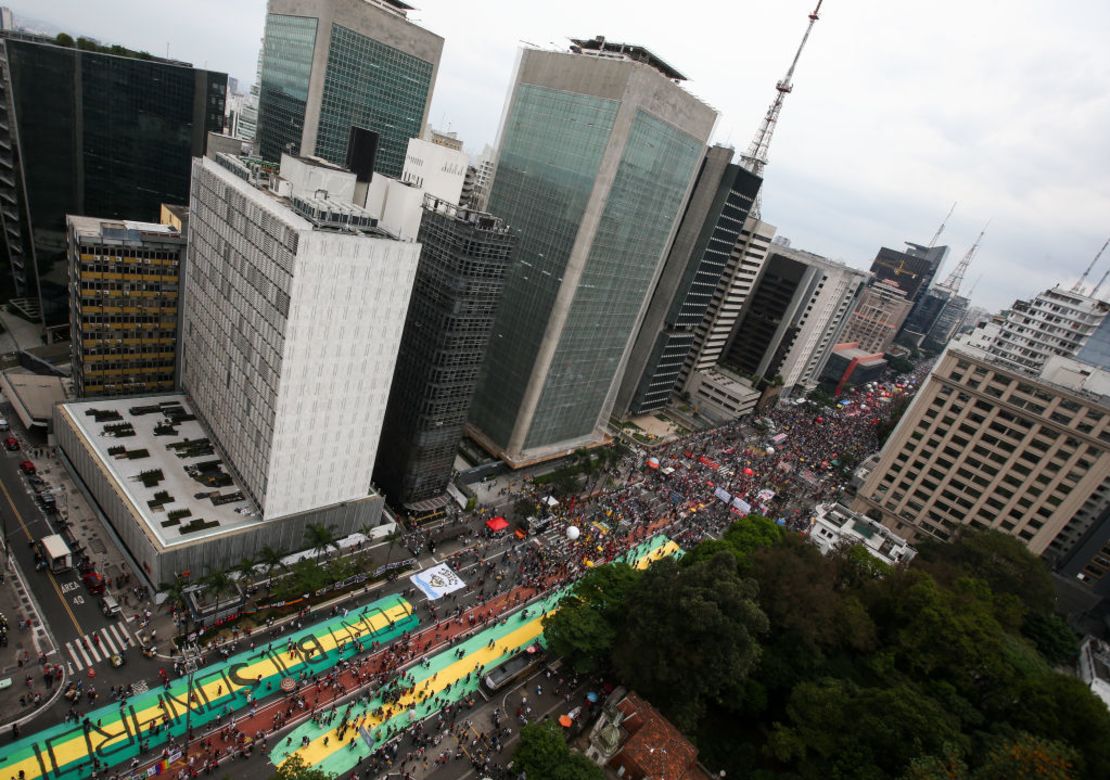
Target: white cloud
{"x":899,"y":108}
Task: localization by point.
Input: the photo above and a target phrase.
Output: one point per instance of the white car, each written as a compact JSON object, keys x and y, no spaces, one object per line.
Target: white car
{"x":4,"y":424}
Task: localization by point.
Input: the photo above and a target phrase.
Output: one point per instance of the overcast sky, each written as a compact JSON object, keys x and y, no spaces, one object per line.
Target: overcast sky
{"x":899,"y":108}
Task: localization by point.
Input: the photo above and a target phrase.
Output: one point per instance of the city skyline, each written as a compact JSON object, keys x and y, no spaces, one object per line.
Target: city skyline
{"x":994,"y":101}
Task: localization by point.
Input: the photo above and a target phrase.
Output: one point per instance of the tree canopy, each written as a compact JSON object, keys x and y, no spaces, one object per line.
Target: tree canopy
{"x":543,"y":755}
{"x":295,"y":768}
{"x":778,"y":661}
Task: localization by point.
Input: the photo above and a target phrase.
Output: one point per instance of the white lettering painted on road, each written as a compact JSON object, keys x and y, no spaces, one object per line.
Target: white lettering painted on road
{"x":69,"y":586}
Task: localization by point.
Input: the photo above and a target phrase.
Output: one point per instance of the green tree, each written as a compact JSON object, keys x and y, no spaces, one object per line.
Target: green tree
{"x":1052,"y":636}
{"x":1026,"y":757}
{"x":743,"y":537}
{"x":999,"y":559}
{"x":64,"y":39}
{"x":295,"y":768}
{"x":839,"y":729}
{"x":543,"y":755}
{"x":218,"y":584}
{"x":245,"y":569}
{"x":320,"y":537}
{"x":690,"y":636}
{"x":900,"y":365}
{"x":583,"y":629}
{"x":271,"y":558}
{"x":523,"y":507}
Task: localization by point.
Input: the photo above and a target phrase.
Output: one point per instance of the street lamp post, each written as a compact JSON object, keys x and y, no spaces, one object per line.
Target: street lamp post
{"x":190,"y":657}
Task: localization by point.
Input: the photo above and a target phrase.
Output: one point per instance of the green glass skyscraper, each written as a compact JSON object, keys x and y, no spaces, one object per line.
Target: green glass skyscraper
{"x":328,"y":65}
{"x":598,"y":150}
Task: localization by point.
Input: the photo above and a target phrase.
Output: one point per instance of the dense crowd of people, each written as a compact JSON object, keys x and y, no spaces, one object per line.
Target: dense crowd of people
{"x":796,"y":457}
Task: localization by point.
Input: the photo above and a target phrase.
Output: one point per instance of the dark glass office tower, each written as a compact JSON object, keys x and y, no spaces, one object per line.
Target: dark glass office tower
{"x":86,"y":131}
{"x":458,"y":286}
{"x":328,"y":65}
{"x":710,"y":228}
{"x":911,"y":270}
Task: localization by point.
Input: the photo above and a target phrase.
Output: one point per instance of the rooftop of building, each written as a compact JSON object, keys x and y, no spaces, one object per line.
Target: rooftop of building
{"x":90,"y":45}
{"x":123,"y":231}
{"x":483,"y":220}
{"x":876,"y":537}
{"x":301,"y":212}
{"x":850,"y":350}
{"x":654,"y":747}
{"x":598,"y":45}
{"x":812,"y":258}
{"x":163,"y":460}
{"x":32,"y":395}
{"x":1078,"y":376}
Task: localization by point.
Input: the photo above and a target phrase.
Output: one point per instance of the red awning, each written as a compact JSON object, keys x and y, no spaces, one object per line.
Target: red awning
{"x":497,"y":524}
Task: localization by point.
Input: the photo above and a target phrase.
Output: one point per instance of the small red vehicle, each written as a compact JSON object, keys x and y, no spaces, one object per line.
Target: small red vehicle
{"x":94,"y":581}
{"x":27,"y":467}
{"x":11,"y":443}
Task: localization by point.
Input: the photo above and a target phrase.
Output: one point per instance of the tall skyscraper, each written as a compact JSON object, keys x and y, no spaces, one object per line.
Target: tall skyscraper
{"x":1055,"y":322}
{"x":463,"y":260}
{"x":989,"y":446}
{"x":123,"y":321}
{"x":597,"y":152}
{"x":294,"y":311}
{"x":876,"y":320}
{"x":793,"y":318}
{"x":719,"y":204}
{"x":90,"y":132}
{"x":328,"y":65}
{"x":737,"y":281}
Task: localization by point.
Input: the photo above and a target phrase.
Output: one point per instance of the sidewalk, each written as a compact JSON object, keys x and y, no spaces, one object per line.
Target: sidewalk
{"x":27,"y":644}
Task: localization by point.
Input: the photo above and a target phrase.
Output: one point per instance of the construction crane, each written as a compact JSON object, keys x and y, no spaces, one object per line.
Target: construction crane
{"x":1094,"y":292}
{"x":956,"y":278}
{"x":756,"y":158}
{"x":943,"y":225}
{"x":1078,"y":288}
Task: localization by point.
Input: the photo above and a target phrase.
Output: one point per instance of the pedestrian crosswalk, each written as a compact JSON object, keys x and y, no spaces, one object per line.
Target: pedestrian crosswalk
{"x":99,"y":645}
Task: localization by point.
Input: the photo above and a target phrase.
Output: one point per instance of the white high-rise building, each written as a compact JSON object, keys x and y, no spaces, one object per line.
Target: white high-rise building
{"x":294,"y":308}
{"x":437,"y":169}
{"x":728,"y":299}
{"x":1056,"y":322}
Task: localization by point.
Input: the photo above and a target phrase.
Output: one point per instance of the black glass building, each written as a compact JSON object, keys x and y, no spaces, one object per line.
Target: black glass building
{"x":710,"y":229}
{"x":455,"y":295}
{"x":82,"y":132}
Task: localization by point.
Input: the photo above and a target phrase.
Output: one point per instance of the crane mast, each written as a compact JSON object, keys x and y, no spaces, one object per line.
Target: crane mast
{"x":756,"y":158}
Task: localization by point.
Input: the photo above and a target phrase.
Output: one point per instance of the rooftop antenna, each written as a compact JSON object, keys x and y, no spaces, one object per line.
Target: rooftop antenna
{"x":1082,"y":280}
{"x":943,"y":224}
{"x":756,"y":158}
{"x":956,"y":278}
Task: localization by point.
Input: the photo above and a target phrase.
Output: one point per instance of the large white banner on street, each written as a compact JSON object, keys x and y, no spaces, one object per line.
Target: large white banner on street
{"x":437,"y":581}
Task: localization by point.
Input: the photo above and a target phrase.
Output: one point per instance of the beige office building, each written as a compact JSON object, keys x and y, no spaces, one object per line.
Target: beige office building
{"x":877,"y":317}
{"x":992,"y":447}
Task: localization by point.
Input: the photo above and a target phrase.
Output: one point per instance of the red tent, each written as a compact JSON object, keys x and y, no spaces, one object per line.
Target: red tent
{"x":497,"y":524}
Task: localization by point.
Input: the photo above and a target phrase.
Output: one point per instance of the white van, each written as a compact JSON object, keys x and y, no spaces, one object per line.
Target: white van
{"x":4,"y":424}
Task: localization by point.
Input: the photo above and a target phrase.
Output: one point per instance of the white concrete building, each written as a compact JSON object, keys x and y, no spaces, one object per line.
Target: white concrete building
{"x":732,"y":291}
{"x":1055,"y":322}
{"x":294,"y":308}
{"x":437,"y":169}
{"x":719,"y":395}
{"x":1094,"y":667}
{"x":820,"y":328}
{"x":834,"y":525}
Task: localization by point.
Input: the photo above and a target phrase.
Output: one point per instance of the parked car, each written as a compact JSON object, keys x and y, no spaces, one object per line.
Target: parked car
{"x":109,"y":606}
{"x":27,"y":467}
{"x":4,"y":424}
{"x":11,"y":444}
{"x":94,"y":581}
